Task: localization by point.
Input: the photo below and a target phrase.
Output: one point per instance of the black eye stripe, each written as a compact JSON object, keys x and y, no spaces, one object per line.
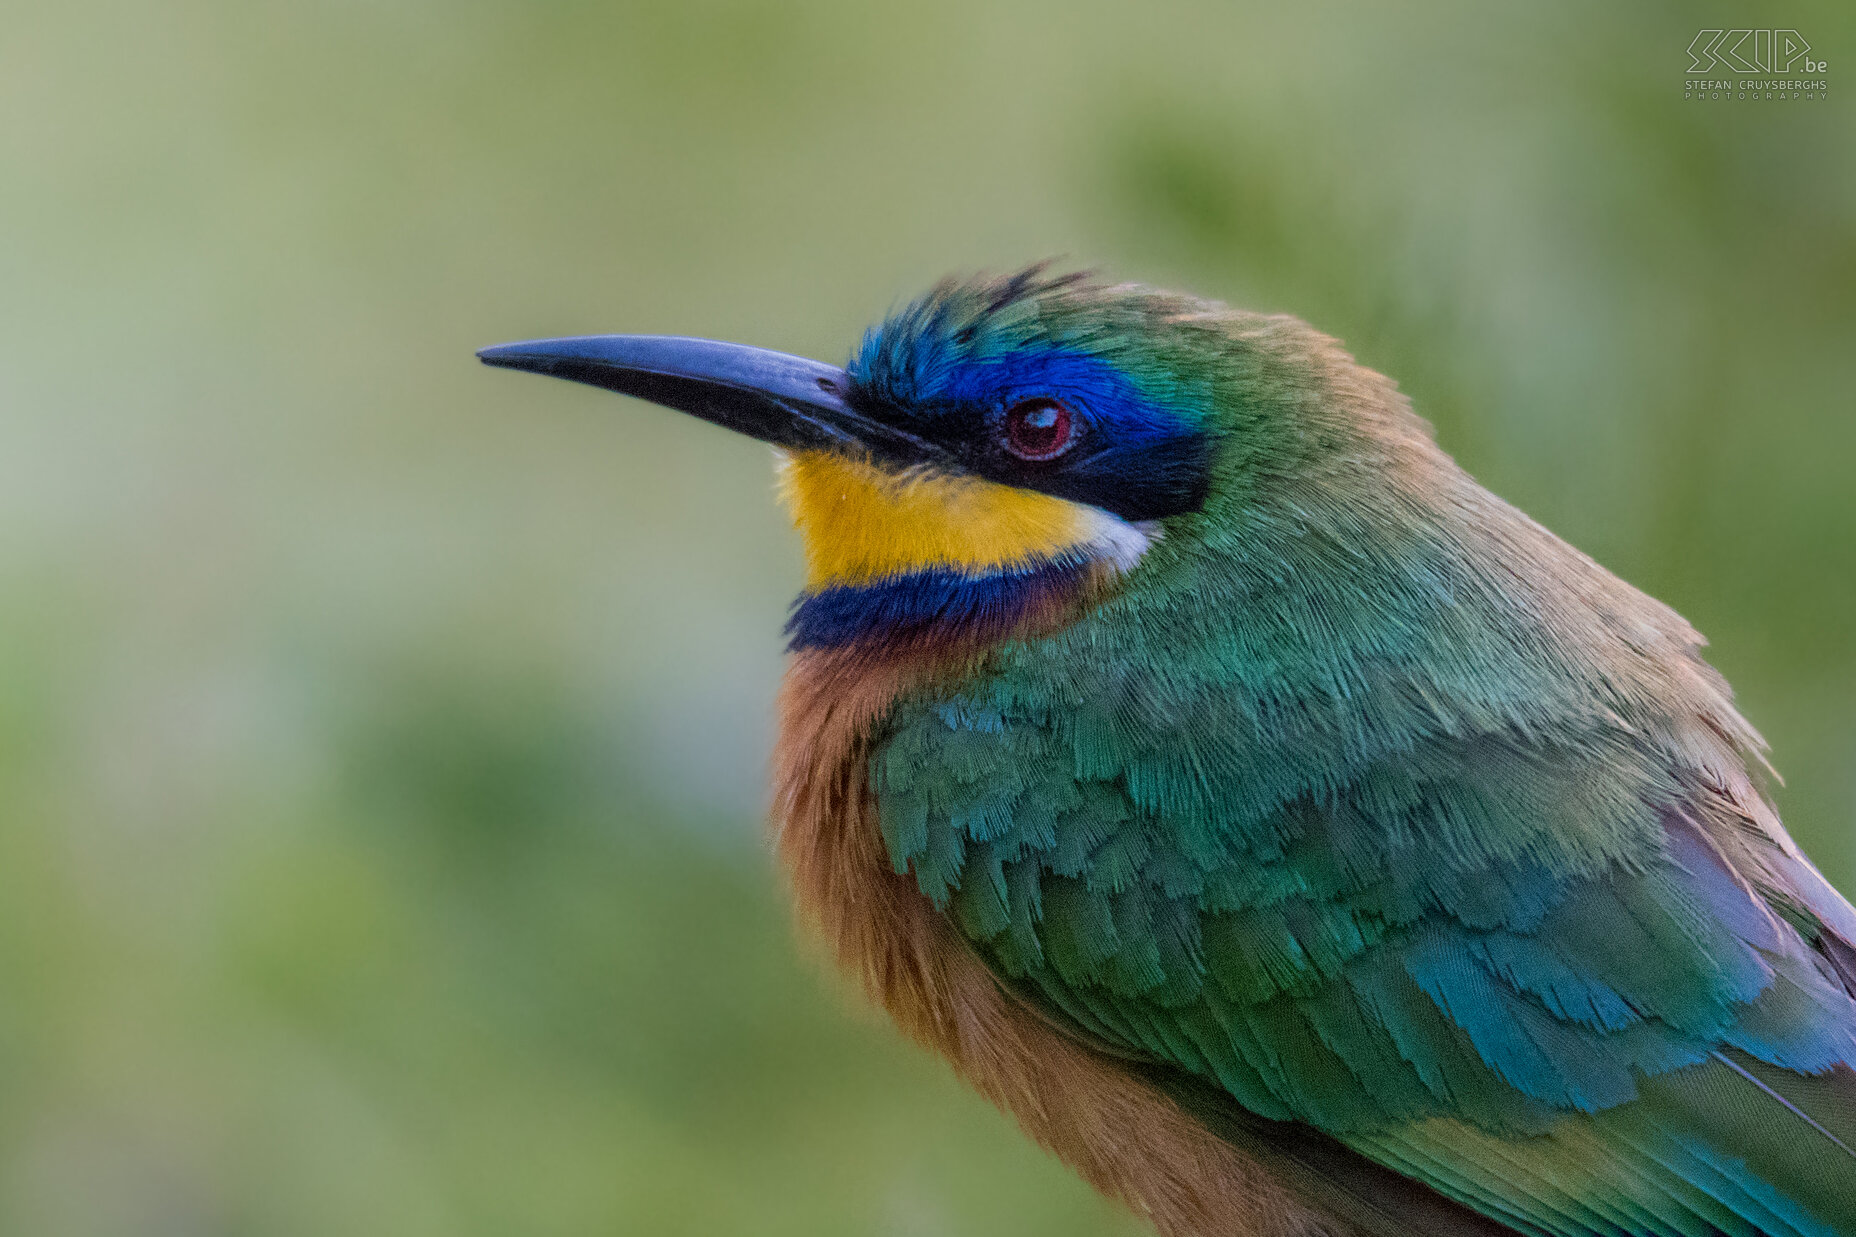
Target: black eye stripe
{"x":1146,"y":475}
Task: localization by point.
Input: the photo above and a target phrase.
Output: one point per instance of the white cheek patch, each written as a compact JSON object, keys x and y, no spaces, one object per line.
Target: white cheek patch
{"x":1114,"y":540}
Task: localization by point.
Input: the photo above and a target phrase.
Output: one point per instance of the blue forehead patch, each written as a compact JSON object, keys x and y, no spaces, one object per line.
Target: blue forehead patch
{"x":1094,"y":388}
{"x":945,"y":370}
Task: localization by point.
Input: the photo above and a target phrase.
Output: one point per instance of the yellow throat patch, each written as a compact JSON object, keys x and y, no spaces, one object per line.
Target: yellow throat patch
{"x":861,"y":524}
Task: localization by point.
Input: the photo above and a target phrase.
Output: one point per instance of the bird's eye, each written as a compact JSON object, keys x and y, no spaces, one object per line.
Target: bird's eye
{"x":1039,"y":429}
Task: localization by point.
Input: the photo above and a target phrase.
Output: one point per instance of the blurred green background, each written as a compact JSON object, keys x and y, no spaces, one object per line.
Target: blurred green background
{"x":382,"y":738}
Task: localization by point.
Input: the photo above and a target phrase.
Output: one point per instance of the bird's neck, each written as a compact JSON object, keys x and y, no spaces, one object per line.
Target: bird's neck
{"x":927,"y":557}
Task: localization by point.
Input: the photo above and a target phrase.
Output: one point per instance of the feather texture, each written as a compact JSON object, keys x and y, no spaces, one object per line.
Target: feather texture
{"x":1366,"y":804}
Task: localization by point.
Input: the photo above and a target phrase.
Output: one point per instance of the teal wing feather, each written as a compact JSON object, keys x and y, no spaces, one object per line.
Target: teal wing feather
{"x":1506,"y":923}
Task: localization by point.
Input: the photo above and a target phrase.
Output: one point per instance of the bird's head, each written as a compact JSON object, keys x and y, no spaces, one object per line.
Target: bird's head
{"x":999,"y":447}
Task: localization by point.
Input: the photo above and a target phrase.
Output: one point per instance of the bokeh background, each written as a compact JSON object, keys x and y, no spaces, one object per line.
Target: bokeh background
{"x":382,"y":738}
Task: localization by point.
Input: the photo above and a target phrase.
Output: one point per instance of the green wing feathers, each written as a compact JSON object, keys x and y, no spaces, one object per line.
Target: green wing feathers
{"x":1464,"y":876}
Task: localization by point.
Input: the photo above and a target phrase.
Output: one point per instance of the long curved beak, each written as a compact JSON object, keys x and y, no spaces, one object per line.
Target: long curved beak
{"x":785,"y":400}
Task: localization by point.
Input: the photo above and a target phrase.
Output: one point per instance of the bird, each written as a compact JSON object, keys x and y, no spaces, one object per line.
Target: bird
{"x":1291,"y":835}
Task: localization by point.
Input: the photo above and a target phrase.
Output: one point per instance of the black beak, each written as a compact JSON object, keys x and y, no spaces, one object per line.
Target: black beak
{"x":785,"y":400}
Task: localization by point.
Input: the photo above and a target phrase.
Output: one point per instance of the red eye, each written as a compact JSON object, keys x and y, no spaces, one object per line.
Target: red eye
{"x":1039,"y":429}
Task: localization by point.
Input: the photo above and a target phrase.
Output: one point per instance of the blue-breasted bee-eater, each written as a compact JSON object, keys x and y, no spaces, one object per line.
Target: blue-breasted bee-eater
{"x":1293,"y":836}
